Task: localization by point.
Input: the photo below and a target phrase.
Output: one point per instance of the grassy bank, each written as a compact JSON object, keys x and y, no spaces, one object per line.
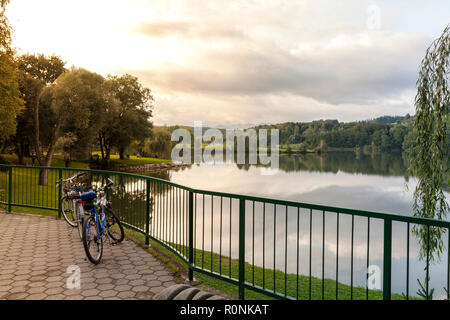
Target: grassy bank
{"x":133,"y":160}
{"x":59,"y":162}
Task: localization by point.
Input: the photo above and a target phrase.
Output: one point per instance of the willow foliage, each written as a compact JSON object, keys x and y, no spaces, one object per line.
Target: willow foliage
{"x":430,"y":155}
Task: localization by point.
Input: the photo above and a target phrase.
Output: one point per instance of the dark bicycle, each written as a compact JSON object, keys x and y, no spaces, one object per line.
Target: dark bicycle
{"x":71,"y":208}
{"x":102,"y":222}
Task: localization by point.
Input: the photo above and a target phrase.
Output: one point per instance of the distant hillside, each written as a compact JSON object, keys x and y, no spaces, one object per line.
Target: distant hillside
{"x":387,"y":119}
{"x":386,"y":133}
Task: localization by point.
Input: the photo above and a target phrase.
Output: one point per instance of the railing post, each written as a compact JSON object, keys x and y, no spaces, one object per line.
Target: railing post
{"x":108,"y":193}
{"x":191,"y":236}
{"x":241,"y":249}
{"x":9,"y":189}
{"x":147,"y":215}
{"x":59,"y":194}
{"x":387,"y":260}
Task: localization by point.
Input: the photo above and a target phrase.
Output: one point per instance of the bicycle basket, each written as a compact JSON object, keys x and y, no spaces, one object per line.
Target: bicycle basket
{"x":73,"y":194}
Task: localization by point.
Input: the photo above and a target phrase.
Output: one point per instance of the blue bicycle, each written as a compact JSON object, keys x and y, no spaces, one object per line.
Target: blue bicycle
{"x":102,"y":223}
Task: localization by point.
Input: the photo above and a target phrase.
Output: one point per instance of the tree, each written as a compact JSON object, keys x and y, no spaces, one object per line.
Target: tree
{"x":429,"y":157}
{"x":397,"y":134}
{"x":37,"y":72}
{"x":131,"y":120}
{"x":10,"y":102}
{"x":160,"y":144}
{"x":75,"y":103}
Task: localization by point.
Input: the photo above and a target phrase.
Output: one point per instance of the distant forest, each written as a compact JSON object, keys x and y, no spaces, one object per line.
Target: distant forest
{"x":385,"y":133}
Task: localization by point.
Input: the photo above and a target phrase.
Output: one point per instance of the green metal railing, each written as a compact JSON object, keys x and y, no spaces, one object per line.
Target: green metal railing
{"x":252,"y":242}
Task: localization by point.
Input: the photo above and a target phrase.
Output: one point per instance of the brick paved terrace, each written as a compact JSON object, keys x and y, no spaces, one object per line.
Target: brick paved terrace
{"x":35,"y":252}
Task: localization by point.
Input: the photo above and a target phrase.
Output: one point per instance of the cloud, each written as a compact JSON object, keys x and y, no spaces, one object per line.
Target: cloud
{"x":243,"y":61}
{"x":356,"y":72}
{"x":186,"y":29}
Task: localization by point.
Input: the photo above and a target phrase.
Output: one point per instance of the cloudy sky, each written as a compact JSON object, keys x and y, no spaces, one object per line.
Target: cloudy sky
{"x":230,"y":62}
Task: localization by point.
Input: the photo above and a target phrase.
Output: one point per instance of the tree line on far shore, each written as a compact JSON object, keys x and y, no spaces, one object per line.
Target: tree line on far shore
{"x":382,"y":134}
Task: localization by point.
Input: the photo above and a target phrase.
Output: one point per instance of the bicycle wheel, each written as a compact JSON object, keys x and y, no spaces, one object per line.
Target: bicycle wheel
{"x":68,"y":212}
{"x":113,"y":225}
{"x":93,"y":244}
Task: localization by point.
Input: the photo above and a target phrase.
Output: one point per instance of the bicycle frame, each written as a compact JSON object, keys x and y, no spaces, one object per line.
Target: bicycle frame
{"x":95,"y":214}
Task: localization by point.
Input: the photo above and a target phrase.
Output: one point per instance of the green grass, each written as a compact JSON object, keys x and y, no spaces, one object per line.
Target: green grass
{"x":269,"y":278}
{"x":115,"y":159}
{"x":57,"y":162}
{"x":28,"y":192}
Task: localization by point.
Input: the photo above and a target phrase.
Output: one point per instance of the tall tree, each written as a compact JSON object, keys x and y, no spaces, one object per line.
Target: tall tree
{"x":75,"y":103}
{"x":131,"y":120}
{"x":430,"y":154}
{"x":10,"y":102}
{"x":37,"y":72}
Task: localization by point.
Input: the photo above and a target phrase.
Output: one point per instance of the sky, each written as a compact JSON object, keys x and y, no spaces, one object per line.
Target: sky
{"x":229,"y":63}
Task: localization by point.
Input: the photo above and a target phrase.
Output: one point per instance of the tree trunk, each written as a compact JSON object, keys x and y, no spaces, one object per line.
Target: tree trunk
{"x":19,"y":152}
{"x":122,"y":153}
{"x":37,"y":145}
{"x":43,"y":174}
{"x":68,"y":163}
{"x":26,"y":151}
{"x":101,"y":146}
{"x":43,"y":177}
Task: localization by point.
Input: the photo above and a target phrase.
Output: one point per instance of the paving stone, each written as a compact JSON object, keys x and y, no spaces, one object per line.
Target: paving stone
{"x":18,"y":289}
{"x":54,"y":291}
{"x":104,"y":287}
{"x":126,"y":294}
{"x":104,"y":280}
{"x":108,"y":293}
{"x":17,"y":295}
{"x":55,"y":297}
{"x":123,"y":287}
{"x":5,"y":288}
{"x":36,"y":290}
{"x":37,"y":296}
{"x":140,"y":289}
{"x":90,"y":292}
{"x":5,"y":282}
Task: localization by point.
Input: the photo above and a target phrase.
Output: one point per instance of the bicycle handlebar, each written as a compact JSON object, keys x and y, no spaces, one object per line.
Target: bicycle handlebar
{"x":75,"y":176}
{"x":107,"y":186}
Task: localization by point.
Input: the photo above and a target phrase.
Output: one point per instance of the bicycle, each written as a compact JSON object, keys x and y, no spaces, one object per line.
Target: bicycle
{"x":71,"y":209}
{"x":102,"y":222}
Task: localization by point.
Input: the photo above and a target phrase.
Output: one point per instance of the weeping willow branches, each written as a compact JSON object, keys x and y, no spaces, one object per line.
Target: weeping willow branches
{"x":430,"y":156}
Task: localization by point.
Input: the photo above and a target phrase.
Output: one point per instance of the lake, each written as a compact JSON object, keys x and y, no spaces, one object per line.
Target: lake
{"x":376,"y":182}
